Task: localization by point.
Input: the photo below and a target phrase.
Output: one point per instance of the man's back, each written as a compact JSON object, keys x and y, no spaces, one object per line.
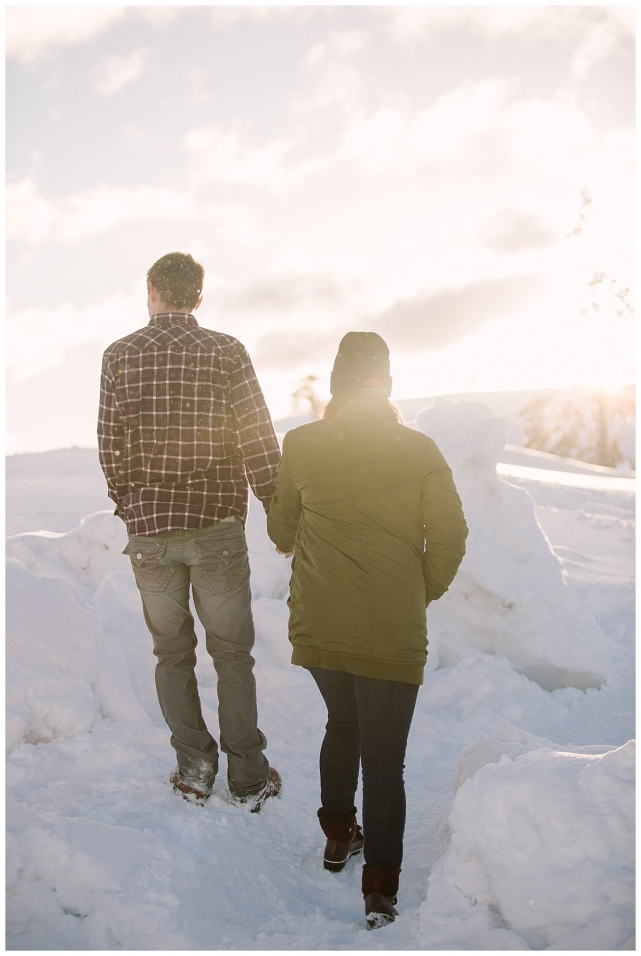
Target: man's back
{"x":183,"y":427}
{"x":182,"y":421}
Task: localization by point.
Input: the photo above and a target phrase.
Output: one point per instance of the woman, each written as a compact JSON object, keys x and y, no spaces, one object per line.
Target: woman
{"x":370,"y":508}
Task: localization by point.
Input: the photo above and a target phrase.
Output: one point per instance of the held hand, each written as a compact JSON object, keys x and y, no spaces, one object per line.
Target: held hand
{"x":286,"y":554}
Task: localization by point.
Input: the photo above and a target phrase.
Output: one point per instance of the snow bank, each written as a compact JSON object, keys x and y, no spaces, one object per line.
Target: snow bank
{"x":117,"y":602}
{"x":62,"y":675}
{"x":542,"y":849}
{"x":70,"y":880}
{"x":103,"y":855}
{"x":78,"y":645}
{"x":510,"y":596}
{"x":270,"y":572}
{"x":84,"y":556}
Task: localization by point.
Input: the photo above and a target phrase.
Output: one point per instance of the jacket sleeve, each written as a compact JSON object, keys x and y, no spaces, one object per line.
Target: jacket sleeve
{"x":256,"y":438}
{"x":286,"y":506}
{"x":445,"y":530}
{"x":111,"y":435}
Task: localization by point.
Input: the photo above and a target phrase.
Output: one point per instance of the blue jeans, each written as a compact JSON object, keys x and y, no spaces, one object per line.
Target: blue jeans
{"x":368,"y":722}
{"x":214,"y":563}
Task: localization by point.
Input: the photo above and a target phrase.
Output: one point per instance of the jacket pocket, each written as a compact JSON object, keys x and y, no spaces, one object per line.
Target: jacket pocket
{"x":223,"y":563}
{"x":145,"y":557}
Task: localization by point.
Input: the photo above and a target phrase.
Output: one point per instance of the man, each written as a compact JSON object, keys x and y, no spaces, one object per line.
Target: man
{"x":183,"y":428}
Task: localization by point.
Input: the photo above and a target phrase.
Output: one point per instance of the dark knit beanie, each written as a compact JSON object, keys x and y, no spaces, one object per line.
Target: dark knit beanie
{"x":362,"y":363}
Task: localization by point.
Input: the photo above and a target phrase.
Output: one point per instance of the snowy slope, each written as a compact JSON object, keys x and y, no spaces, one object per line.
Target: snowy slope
{"x":533,"y":850}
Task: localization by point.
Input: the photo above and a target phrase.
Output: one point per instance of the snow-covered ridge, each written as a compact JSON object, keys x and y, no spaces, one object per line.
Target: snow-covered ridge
{"x":541,"y":855}
{"x":510,"y":596}
{"x":571,"y":479}
{"x":529,"y":457}
{"x":525,"y":713}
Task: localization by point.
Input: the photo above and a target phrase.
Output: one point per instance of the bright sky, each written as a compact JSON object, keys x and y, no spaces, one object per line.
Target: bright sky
{"x":459,"y":179}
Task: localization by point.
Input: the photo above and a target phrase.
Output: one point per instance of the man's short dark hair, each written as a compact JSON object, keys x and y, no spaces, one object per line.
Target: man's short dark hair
{"x":178,"y":279}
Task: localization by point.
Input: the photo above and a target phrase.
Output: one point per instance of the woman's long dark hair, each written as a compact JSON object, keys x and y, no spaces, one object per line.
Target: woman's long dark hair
{"x":363,"y":398}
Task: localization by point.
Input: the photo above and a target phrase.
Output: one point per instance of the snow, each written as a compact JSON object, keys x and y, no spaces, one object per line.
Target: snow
{"x":541,"y":855}
{"x":510,"y":595}
{"x":84,"y":556}
{"x":519,"y":767}
{"x":517,"y":455}
{"x":63,"y":674}
{"x":597,"y":482}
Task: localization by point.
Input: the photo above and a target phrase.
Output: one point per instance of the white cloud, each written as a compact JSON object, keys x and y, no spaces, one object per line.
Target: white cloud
{"x":118,"y":71}
{"x":598,"y":43}
{"x":485,"y":144}
{"x":340,"y":85}
{"x":429,"y":320}
{"x":511,"y":230}
{"x":354,"y":197}
{"x":137,"y":134}
{"x":32,"y":218}
{"x":229,"y":15}
{"x":217,"y":155}
{"x":32,"y":31}
{"x":394,"y":199}
{"x":434,"y":320}
{"x":29,"y":216}
{"x":410,"y":23}
{"x":597,"y":30}
{"x":287,"y":350}
{"x":287,"y":291}
{"x":338,"y":82}
{"x":37,"y":338}
{"x":349,"y":41}
{"x":43,"y":411}
{"x":315,"y":55}
{"x":157,"y":16}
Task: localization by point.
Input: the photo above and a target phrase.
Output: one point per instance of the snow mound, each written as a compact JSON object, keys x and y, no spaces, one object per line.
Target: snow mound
{"x":62,"y":675}
{"x":508,"y":741}
{"x":71,"y":880}
{"x":271,"y":618}
{"x":270,"y":572}
{"x":84,"y":556}
{"x":102,"y":854}
{"x":117,"y":602}
{"x":510,"y":595}
{"x":542,"y":850}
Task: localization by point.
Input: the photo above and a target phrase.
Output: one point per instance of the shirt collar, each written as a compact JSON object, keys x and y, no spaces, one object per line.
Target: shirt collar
{"x":165,"y":320}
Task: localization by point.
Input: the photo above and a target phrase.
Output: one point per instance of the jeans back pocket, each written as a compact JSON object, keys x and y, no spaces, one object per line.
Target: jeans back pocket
{"x":223,"y":563}
{"x":145,"y":556}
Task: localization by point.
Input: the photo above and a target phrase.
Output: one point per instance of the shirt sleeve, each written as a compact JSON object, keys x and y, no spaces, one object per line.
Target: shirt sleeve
{"x":286,"y":507}
{"x":254,"y":430}
{"x":111,"y":434}
{"x":445,"y":529}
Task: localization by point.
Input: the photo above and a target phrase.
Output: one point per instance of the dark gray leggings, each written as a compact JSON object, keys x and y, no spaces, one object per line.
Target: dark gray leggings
{"x":368,"y":722}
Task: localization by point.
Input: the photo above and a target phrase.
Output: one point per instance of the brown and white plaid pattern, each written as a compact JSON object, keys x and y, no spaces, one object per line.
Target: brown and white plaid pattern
{"x":182,"y":427}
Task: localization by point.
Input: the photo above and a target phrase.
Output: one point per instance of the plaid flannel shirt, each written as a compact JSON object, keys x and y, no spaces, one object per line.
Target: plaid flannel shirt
{"x":182,"y":427}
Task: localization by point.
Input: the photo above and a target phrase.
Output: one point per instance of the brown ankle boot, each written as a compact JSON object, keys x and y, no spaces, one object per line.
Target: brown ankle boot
{"x":195,"y":794}
{"x":344,"y":838}
{"x":380,"y":886}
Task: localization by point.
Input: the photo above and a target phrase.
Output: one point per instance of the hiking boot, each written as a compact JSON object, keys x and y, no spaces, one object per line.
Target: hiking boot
{"x":344,"y":838}
{"x":255,"y":801}
{"x":338,"y":852}
{"x":379,"y":910}
{"x":380,"y":886}
{"x":188,"y":791}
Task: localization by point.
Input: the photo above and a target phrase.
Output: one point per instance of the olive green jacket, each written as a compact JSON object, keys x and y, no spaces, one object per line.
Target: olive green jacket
{"x":377,"y":523}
